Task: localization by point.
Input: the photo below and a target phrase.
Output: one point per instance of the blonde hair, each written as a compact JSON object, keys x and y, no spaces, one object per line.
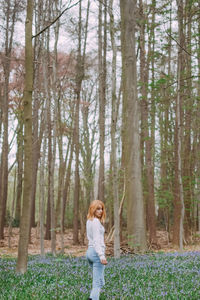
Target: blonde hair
{"x":93,"y":207}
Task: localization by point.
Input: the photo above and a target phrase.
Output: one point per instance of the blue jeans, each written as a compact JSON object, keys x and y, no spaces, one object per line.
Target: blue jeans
{"x":98,"y":273}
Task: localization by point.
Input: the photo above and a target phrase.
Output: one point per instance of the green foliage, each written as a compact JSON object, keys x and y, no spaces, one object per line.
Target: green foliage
{"x":14,"y":222}
{"x":164,"y":194}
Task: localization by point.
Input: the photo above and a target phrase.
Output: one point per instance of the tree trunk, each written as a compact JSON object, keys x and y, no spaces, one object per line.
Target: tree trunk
{"x":42,"y":197}
{"x":12,"y":211}
{"x":131,"y":136}
{"x":198,"y":133}
{"x":37,"y":135}
{"x":187,"y":153}
{"x":61,"y":171}
{"x":19,"y":169}
{"x":102,"y":100}
{"x":26,"y":210}
{"x":79,"y":78}
{"x":67,"y":185}
{"x":55,"y":122}
{"x":80,"y":69}
{"x":9,"y":31}
{"x":151,"y":142}
{"x":36,"y":156}
{"x":4,"y":158}
{"x":48,"y":131}
{"x":113,"y":138}
{"x":166,"y":164}
{"x":179,"y":199}
{"x":148,"y":140}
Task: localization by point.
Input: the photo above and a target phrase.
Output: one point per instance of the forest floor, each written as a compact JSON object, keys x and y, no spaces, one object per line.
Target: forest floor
{"x":79,"y":250}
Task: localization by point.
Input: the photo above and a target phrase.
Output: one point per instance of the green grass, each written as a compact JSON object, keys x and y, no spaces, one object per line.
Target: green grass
{"x":159,"y":276}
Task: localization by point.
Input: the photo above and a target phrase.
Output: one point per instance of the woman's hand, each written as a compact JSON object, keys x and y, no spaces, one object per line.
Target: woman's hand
{"x":104,"y":261}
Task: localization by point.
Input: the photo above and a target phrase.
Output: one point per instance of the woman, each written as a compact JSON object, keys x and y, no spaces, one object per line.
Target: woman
{"x":96,"y":246}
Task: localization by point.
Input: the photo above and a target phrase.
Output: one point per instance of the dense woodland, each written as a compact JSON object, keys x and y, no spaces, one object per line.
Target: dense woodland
{"x":100,"y":100}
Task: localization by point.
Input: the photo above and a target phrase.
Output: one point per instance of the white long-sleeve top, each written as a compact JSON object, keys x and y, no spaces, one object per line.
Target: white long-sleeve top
{"x":95,"y":235}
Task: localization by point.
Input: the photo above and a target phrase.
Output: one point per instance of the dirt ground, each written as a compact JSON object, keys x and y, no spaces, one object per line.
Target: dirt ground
{"x":34,"y":246}
{"x":79,"y":250}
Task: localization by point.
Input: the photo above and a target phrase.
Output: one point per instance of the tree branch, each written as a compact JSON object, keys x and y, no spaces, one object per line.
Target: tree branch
{"x":56,"y":19}
{"x":180,"y":45}
{"x":10,"y":169}
{"x":195,"y":76}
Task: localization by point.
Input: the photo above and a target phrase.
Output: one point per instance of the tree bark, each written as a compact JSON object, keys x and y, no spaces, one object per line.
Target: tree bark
{"x":165,"y":169}
{"x":42,"y":197}
{"x":187,"y":153}
{"x":102,"y":98}
{"x":48,"y":130}
{"x":147,"y":137}
{"x":79,"y":78}
{"x":113,"y":138}
{"x":19,"y":169}
{"x":26,"y":210}
{"x":55,"y":124}
{"x":80,"y":69}
{"x":9,"y":31}
{"x":10,"y":223}
{"x":131,"y":136}
{"x":178,"y":233}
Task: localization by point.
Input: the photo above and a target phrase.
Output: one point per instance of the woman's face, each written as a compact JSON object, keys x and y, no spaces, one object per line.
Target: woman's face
{"x":98,"y":212}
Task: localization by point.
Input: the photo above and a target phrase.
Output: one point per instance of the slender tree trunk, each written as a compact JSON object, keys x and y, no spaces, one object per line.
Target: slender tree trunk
{"x":67,"y":184}
{"x":164,"y":129}
{"x":86,"y":145}
{"x":147,"y":137}
{"x":77,"y":179}
{"x":179,"y":199}
{"x":55,"y":113}
{"x":36,"y":155}
{"x":60,"y":202}
{"x":144,"y":74}
{"x":52,"y":204}
{"x":113,"y":137}
{"x":198,"y":135}
{"x":48,"y":130}
{"x":37,"y":136}
{"x":1,"y":113}
{"x":4,"y":158}
{"x":102,"y":96}
{"x":61,"y":171}
{"x":79,"y":78}
{"x":26,"y":210}
{"x":80,"y":69}
{"x":42,"y":169}
{"x":19,"y":169}
{"x":187,"y":153}
{"x":87,"y":151}
{"x":12,"y":211}
{"x":42,"y":197}
{"x":151,"y":142}
{"x":9,"y":31}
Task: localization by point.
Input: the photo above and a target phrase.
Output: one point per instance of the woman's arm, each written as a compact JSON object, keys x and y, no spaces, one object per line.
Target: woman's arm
{"x":97,"y":239}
